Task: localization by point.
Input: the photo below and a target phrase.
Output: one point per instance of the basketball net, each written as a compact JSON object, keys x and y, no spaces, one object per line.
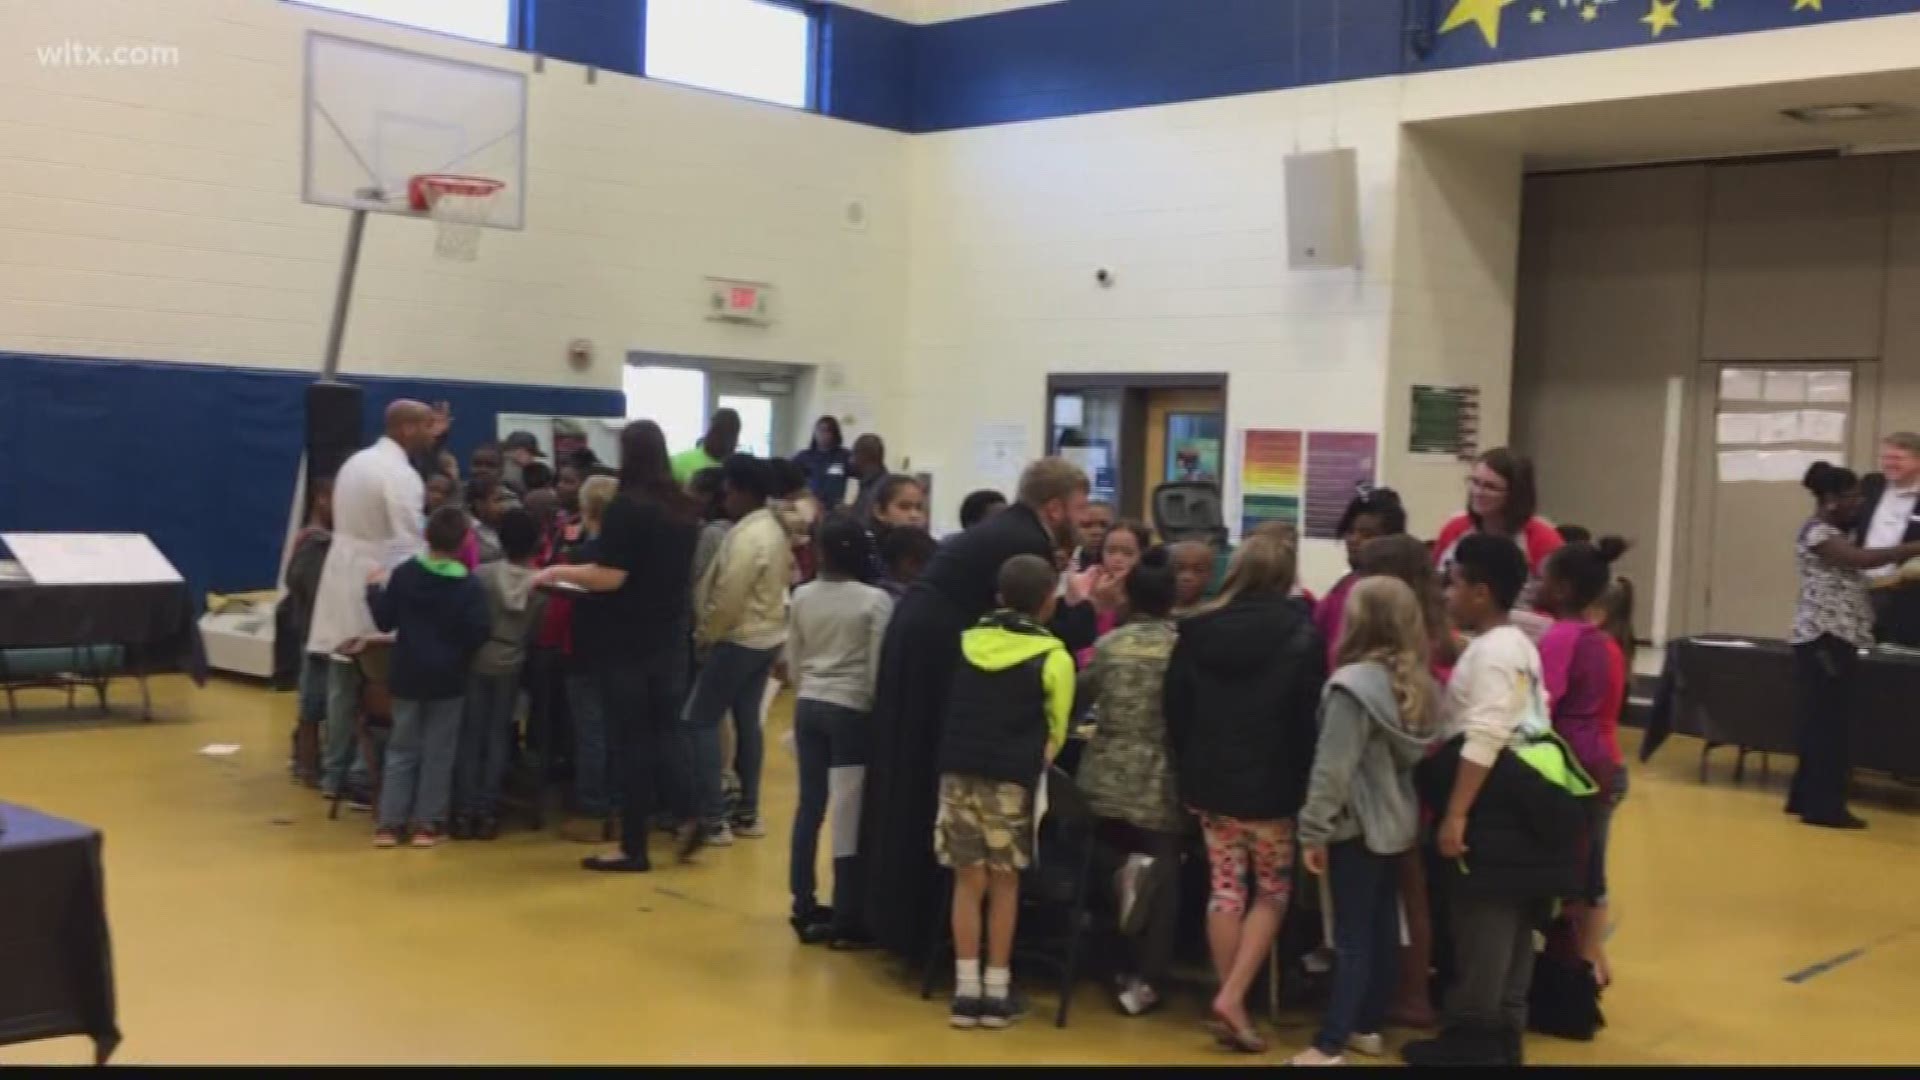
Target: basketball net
{"x":460,"y":207}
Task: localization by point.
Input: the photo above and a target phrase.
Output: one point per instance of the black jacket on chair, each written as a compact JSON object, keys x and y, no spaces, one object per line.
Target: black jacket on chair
{"x":1898,"y":609}
{"x":1242,"y":697}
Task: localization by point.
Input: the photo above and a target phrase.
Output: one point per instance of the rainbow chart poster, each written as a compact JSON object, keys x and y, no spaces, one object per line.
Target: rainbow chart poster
{"x":1269,"y":479}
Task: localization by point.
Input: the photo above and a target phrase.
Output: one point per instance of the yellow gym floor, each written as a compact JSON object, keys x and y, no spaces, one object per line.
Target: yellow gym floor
{"x":248,"y":928}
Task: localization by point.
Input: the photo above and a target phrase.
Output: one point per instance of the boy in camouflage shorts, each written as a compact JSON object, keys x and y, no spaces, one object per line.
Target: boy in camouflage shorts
{"x":1006,"y":719}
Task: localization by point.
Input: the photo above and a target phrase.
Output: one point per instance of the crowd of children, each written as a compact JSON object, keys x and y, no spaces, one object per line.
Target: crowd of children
{"x":1403,"y":738}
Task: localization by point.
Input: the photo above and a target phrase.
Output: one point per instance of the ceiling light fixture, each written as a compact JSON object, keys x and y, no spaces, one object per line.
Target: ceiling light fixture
{"x":1845,"y":111}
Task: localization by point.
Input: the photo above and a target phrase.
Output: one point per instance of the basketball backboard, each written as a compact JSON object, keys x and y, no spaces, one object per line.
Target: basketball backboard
{"x":377,"y":116}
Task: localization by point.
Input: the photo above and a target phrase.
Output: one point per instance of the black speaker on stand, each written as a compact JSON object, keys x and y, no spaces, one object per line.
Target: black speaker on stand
{"x":333,"y":426}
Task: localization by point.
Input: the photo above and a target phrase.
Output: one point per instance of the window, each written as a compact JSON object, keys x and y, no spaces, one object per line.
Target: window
{"x":490,"y":21}
{"x":754,"y":48}
{"x":675,"y":398}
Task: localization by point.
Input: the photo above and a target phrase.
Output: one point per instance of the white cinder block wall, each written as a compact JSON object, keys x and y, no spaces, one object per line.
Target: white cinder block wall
{"x":1183,"y":203}
{"x":155,"y":213}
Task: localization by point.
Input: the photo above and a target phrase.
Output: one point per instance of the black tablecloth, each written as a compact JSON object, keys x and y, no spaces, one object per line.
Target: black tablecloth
{"x":1735,"y":691}
{"x":153,"y":622}
{"x":56,"y":963}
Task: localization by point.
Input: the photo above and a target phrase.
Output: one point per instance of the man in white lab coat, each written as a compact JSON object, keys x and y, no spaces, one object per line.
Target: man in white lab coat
{"x":379,"y":502}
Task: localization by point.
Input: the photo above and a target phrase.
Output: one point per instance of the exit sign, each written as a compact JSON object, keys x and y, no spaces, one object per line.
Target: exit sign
{"x":739,"y":301}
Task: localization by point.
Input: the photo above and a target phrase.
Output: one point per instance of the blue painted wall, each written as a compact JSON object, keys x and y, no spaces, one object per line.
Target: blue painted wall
{"x":202,"y":459}
{"x":1085,"y":56}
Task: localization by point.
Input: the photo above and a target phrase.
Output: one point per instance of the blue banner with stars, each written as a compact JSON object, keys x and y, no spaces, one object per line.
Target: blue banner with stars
{"x":1484,"y":31}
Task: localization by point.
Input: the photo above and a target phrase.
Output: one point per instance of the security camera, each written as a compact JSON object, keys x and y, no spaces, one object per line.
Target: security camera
{"x":1104,"y":276}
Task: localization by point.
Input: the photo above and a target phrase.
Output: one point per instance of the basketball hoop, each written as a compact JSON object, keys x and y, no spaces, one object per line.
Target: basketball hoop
{"x":459,"y":206}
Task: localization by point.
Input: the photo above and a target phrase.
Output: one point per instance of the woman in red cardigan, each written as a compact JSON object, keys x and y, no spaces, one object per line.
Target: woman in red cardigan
{"x":1501,"y":500}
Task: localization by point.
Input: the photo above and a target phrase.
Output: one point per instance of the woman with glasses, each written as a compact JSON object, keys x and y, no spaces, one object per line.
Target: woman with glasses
{"x":1501,"y":500}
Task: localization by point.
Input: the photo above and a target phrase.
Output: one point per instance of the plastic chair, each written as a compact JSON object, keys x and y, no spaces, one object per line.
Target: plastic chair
{"x":1052,"y":891}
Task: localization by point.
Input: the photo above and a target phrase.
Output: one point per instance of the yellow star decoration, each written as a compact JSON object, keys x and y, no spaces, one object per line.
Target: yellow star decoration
{"x":1590,"y":12}
{"x":1660,"y":16}
{"x":1705,"y":5}
{"x":1807,"y":5}
{"x":1482,"y":13}
{"x":1536,"y":16}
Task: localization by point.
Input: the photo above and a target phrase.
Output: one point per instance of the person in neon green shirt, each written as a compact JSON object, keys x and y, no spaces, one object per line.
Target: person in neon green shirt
{"x":713,"y":449}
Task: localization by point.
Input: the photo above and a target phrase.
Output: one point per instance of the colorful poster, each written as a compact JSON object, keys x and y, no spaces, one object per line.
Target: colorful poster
{"x":1339,"y":465}
{"x":1269,"y":479}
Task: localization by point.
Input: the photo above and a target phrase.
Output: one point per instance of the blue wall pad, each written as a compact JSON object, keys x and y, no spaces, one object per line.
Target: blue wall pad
{"x":200,"y":458}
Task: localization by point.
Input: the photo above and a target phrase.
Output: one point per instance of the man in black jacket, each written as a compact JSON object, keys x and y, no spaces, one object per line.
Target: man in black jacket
{"x":916,"y":673}
{"x":1892,"y":519}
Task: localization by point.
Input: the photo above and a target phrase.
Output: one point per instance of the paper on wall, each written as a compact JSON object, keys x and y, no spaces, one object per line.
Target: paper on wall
{"x":1779,"y":427}
{"x":1738,"y":428}
{"x":1830,"y":387}
{"x":1823,"y":426}
{"x":1785,"y":387}
{"x":1739,"y":466}
{"x":999,"y":450}
{"x":1739,"y":384}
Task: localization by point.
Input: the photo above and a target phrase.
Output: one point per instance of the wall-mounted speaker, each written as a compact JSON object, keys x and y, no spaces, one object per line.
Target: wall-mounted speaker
{"x":1323,"y":210}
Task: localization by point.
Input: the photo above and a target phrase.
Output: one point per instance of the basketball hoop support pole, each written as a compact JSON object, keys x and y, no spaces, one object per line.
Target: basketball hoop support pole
{"x":343,"y":294}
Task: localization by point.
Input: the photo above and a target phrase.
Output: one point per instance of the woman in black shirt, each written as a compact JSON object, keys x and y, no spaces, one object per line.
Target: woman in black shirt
{"x":630,"y":637}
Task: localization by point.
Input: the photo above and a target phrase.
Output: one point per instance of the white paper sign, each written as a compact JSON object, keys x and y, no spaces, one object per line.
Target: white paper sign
{"x":1779,"y":427}
{"x":1739,"y":466}
{"x":1823,"y":426}
{"x":90,"y":558}
{"x":1737,"y":429}
{"x":1739,"y":384}
{"x":1786,"y":387}
{"x":1830,"y":387}
{"x":999,"y":450}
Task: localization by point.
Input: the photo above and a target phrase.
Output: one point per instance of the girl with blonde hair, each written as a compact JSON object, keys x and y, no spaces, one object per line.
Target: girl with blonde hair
{"x":1377,"y":719}
{"x":1241,"y":689}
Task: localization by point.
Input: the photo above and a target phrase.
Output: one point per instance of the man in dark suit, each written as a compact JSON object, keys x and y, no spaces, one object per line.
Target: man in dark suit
{"x":1893,"y":518}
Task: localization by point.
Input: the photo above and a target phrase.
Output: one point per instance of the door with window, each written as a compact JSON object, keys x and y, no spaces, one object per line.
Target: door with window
{"x":682,"y":398}
{"x":1757,"y":427}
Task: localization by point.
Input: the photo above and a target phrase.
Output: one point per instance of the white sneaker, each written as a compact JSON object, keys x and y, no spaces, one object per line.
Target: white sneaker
{"x":749,"y":828}
{"x":720,"y":836}
{"x":1137,"y":998}
{"x":1311,"y":1057}
{"x":1371,"y":1044}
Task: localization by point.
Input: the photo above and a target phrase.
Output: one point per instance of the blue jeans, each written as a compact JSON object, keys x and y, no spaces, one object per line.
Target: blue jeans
{"x":832,"y":744}
{"x":1366,"y":935}
{"x":734,"y":677}
{"x":596,"y":783}
{"x":313,"y":689}
{"x":485,"y":743}
{"x":418,"y":780}
{"x":339,"y":764}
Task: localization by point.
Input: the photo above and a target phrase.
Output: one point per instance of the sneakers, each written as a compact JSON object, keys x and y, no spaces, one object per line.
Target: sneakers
{"x":1370,"y":1044}
{"x":720,"y":835}
{"x":966,"y":1012}
{"x":426,"y":838}
{"x":1311,"y":1056}
{"x":997,"y":1013}
{"x":749,"y":828}
{"x":813,"y":928}
{"x":386,"y":838}
{"x":1136,"y":998}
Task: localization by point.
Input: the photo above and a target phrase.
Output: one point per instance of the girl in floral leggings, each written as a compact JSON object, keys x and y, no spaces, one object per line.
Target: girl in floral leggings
{"x":1242,"y":689}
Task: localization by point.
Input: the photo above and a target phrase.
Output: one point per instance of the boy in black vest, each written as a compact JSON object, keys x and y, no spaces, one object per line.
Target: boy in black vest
{"x":1006,"y":719}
